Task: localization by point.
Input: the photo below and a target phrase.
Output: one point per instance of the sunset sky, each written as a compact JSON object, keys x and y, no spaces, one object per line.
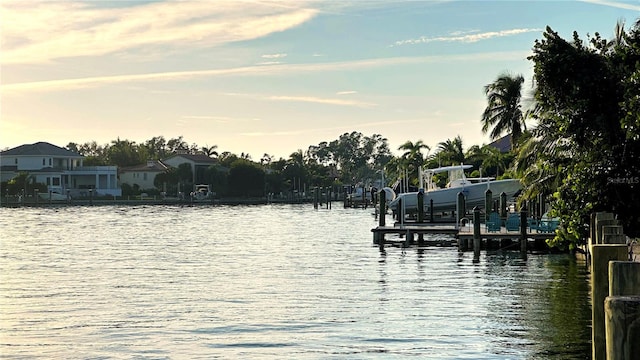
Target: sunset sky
{"x":269,"y":76}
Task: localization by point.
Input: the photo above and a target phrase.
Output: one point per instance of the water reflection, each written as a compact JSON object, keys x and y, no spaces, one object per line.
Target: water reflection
{"x":549,"y":302}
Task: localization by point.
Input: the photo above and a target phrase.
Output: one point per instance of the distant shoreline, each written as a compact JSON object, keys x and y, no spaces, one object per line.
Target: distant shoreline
{"x":15,"y":203}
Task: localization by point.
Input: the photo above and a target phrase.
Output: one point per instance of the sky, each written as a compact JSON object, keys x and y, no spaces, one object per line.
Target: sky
{"x":269,"y":77}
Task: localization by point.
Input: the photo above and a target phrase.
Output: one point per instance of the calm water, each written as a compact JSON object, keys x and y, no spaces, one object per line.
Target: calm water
{"x":273,"y":281}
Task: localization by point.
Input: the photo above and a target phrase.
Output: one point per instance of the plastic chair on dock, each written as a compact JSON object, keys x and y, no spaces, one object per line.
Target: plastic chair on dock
{"x":548,"y":225}
{"x":494,"y":223}
{"x":513,"y":222}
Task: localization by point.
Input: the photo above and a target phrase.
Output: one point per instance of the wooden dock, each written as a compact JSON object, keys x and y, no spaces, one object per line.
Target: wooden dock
{"x":413,"y":234}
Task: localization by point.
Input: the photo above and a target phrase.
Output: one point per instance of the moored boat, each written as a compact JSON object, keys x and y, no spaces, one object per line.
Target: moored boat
{"x":445,"y":199}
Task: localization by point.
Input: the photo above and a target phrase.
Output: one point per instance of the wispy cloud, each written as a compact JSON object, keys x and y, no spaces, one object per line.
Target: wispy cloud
{"x":465,"y":37}
{"x":346,"y":92}
{"x":318,"y":100}
{"x":35,"y":32}
{"x":272,"y":70}
{"x":308,"y":99}
{"x":274,"y":56}
{"x":615,"y":4}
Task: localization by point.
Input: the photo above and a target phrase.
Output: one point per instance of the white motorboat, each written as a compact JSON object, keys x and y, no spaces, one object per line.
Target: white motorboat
{"x":202,"y":193}
{"x":445,"y":199}
{"x":53,"y":195}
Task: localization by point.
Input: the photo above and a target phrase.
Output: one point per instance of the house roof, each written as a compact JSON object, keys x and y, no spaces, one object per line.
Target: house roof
{"x":503,"y":144}
{"x":198,"y":159}
{"x":39,"y":149}
{"x":150,"y":166}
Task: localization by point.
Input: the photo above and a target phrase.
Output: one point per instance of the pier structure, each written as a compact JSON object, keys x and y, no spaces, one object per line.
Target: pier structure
{"x":466,"y":234}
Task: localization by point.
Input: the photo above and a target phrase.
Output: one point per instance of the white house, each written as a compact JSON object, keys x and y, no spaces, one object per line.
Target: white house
{"x":142,"y":175}
{"x":60,"y":169}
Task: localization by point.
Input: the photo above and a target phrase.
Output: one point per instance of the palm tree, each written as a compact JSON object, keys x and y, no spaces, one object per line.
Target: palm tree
{"x":494,"y":159}
{"x":265,"y":160}
{"x":413,"y":157}
{"x":450,"y":152}
{"x":503,"y":111}
{"x":210,"y":151}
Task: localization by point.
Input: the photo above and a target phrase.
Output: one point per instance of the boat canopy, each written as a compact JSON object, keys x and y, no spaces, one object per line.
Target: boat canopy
{"x":456,"y":176}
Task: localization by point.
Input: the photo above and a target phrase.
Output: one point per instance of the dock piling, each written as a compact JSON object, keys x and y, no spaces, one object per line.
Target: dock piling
{"x":383,"y":210}
{"x":476,"y":235}
{"x":460,"y":211}
{"x":622,"y":310}
{"x":431,"y":210}
{"x":523,"y":233}
{"x":420,"y":206}
{"x":488,"y":204}
{"x":601,"y":255}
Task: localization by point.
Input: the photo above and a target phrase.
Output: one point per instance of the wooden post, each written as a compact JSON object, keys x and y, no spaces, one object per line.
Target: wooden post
{"x":592,"y":229}
{"x":624,"y":278}
{"x":488,"y":202}
{"x":408,"y":238}
{"x":345,"y":199}
{"x":383,"y":210}
{"x":523,"y":233}
{"x":622,"y":320}
{"x":420,"y":196}
{"x":541,"y":205}
{"x":476,"y":235}
{"x":602,"y":219}
{"x":613,"y":234}
{"x":601,"y":255}
{"x":503,"y":205}
{"x":315,"y":198}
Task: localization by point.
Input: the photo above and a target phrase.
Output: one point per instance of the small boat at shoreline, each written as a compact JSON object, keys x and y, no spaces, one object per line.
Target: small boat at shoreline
{"x":445,"y":199}
{"x":53,"y":196}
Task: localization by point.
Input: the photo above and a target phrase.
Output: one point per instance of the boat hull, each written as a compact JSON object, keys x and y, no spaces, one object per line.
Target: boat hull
{"x":445,"y":200}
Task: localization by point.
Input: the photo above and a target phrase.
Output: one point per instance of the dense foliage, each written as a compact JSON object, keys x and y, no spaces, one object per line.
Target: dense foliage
{"x":586,"y":147}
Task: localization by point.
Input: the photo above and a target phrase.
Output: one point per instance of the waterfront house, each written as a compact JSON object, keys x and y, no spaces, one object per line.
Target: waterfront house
{"x":199,"y":163}
{"x":60,"y":169}
{"x":142,"y":175}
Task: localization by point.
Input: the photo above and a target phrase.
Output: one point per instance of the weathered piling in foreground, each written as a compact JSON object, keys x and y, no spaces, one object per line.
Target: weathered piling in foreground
{"x":601,"y":255}
{"x":624,"y":278}
{"x":622,"y":315}
{"x":622,"y":310}
{"x":477,"y":239}
{"x":503,"y":205}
